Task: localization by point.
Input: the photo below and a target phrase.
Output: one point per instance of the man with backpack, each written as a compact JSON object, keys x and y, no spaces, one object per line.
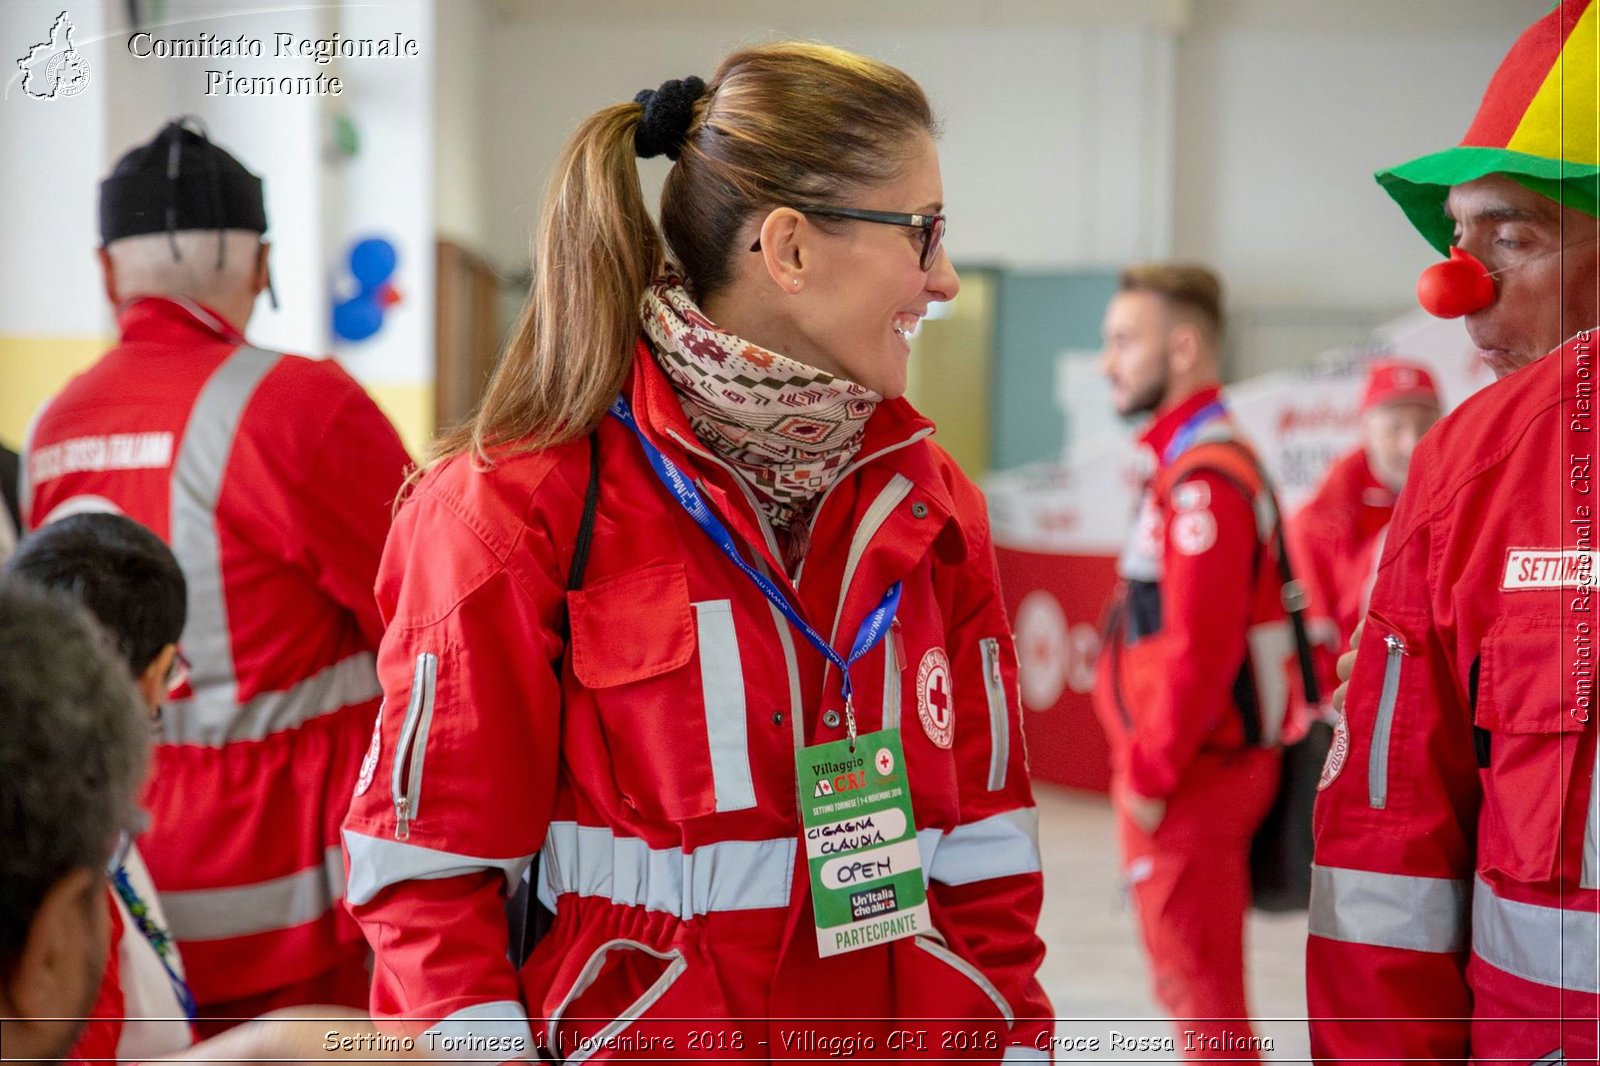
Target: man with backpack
{"x":1193,"y":681}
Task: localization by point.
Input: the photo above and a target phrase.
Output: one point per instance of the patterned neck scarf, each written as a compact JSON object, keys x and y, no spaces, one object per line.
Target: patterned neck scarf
{"x":789,"y":429}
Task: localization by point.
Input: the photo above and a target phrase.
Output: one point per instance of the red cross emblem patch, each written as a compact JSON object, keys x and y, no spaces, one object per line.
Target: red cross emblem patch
{"x":935,"y":704}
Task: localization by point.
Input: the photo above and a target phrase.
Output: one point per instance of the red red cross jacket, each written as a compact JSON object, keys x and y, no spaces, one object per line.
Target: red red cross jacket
{"x":271,"y":476}
{"x":653,"y":760}
{"x":1458,"y":853}
{"x":1335,"y":539}
{"x":1199,"y":608}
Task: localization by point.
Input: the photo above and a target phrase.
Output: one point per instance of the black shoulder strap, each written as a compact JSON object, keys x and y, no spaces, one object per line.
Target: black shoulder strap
{"x":528,"y":919}
{"x":591,"y":501}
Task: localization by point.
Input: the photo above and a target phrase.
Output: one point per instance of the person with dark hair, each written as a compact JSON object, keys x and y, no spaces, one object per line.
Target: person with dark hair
{"x":1455,"y":911}
{"x":131,"y":584}
{"x":73,"y":750}
{"x":272,"y":477}
{"x":694,"y":606}
{"x":74,"y":747}
{"x":1193,"y":682}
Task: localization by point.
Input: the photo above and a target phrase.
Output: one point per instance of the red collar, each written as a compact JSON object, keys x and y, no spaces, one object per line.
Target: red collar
{"x":1167,"y":422}
{"x":142,"y":316}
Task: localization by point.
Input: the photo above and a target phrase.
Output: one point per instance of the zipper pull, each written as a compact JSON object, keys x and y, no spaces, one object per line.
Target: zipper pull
{"x":1395,"y":645}
{"x":402,"y":818}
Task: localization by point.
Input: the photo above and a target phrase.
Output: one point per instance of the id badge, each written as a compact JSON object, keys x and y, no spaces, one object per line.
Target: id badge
{"x":861,"y":843}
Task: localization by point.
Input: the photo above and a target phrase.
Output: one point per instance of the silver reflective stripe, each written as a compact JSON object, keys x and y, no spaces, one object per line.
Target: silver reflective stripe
{"x":729,"y":875}
{"x":1002,"y":845}
{"x":727,"y":726}
{"x":1015,"y":1053}
{"x":1552,"y":1058}
{"x":281,"y":903}
{"x":971,"y":973}
{"x":1389,"y":910}
{"x":1547,"y":945}
{"x":676,"y":964}
{"x":1383,"y":726}
{"x":877,"y":513}
{"x":999,"y":721}
{"x":350,"y":681}
{"x":927,"y":848}
{"x":196,"y":486}
{"x":504,"y":1022}
{"x":1591,"y":830}
{"x":1271,"y":645}
{"x":376,"y":863}
{"x":891,"y":677}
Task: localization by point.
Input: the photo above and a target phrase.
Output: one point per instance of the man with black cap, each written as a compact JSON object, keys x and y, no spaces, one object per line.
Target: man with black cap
{"x":1456,"y":893}
{"x":272,"y":476}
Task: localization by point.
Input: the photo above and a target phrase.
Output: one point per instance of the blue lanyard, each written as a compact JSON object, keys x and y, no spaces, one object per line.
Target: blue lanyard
{"x":682,"y":489}
{"x":159,"y":939}
{"x":1190,"y":428}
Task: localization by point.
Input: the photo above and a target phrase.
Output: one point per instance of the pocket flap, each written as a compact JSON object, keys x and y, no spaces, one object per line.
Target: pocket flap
{"x":1526,"y":681}
{"x":631,"y":627}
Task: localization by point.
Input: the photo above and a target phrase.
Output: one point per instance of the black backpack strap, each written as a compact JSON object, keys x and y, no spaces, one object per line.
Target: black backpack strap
{"x":530,"y":920}
{"x":591,"y":502}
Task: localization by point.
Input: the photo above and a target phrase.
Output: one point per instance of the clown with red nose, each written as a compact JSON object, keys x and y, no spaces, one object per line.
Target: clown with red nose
{"x":1456,"y":889}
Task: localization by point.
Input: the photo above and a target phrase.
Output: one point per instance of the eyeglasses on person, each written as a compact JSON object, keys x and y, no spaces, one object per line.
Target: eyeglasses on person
{"x":932,"y":226}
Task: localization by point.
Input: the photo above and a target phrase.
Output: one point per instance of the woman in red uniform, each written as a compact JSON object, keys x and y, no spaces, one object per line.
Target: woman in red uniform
{"x":692,"y":586}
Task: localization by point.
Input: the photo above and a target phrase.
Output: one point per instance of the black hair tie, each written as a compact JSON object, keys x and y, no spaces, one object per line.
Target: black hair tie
{"x":668,"y":111}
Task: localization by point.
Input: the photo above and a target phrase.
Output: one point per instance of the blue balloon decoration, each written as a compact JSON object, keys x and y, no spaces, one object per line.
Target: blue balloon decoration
{"x":358,"y":318}
{"x":372,"y":261}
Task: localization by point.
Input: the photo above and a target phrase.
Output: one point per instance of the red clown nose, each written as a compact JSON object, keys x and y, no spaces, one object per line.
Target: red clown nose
{"x":1458,"y":286}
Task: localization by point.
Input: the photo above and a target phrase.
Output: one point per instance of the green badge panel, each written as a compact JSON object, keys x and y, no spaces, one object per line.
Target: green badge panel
{"x":861,"y":843}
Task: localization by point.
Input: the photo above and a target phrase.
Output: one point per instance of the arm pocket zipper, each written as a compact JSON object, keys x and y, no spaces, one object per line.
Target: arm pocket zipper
{"x":406,"y":784}
{"x":1378,"y":761}
{"x":999,"y":725}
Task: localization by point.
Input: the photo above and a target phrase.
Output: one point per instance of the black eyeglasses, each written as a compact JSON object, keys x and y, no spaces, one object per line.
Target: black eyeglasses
{"x":932,"y":226}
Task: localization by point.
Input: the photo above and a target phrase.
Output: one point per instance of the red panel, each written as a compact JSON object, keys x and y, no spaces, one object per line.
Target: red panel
{"x":1055,"y":603}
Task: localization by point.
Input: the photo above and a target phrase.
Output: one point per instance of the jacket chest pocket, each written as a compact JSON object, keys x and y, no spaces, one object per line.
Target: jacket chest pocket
{"x":1525,"y":707}
{"x":668,"y":683}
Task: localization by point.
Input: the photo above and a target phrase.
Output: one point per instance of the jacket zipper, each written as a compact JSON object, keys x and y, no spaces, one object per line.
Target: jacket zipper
{"x":891,"y":676}
{"x":1378,"y":761}
{"x":999,"y":731}
{"x":406,"y":782}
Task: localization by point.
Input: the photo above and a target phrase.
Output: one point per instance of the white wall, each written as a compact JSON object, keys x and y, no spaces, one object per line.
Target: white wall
{"x":386,"y":190}
{"x":461,"y":120}
{"x":1057,"y":128}
{"x":50,"y":155}
{"x":56,"y":152}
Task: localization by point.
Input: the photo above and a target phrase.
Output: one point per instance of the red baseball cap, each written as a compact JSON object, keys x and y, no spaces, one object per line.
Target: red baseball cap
{"x":1397,"y":381}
